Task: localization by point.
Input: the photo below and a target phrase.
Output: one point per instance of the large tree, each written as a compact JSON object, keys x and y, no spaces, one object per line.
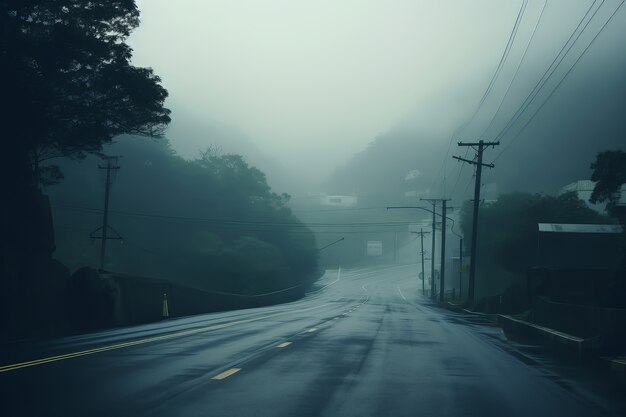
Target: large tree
{"x":68,"y":87}
{"x":609,"y":172}
{"x":68,"y":81}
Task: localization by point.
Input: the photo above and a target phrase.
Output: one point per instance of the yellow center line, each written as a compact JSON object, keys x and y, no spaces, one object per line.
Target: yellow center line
{"x":12,"y":367}
{"x":226,"y":374}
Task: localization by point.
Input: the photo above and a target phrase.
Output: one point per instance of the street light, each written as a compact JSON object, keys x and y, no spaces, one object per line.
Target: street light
{"x":443,"y":246}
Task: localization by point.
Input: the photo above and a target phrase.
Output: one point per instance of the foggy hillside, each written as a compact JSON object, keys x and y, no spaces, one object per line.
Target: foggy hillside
{"x":189,"y":132}
{"x":582,"y":118}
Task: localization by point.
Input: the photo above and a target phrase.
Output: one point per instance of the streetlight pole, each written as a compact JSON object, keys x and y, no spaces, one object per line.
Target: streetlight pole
{"x":433,"y":201}
{"x":442,"y":287}
{"x":460,"y":268}
{"x":432,"y":256}
{"x":422,"y":233}
{"x":422,"y":251}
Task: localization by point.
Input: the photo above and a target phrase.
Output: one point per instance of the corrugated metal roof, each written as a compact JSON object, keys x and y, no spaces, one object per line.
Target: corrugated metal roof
{"x":579,"y":228}
{"x":580,"y":185}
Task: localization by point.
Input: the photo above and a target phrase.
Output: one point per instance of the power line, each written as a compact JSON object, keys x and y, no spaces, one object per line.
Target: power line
{"x":561,"y":81}
{"x":519,"y":65}
{"x":507,"y":50}
{"x":337,"y":209}
{"x":558,"y":59}
{"x":495,"y":75}
{"x":458,"y":177}
{"x":234,"y":221}
{"x":260,"y":227}
{"x":467,"y":186}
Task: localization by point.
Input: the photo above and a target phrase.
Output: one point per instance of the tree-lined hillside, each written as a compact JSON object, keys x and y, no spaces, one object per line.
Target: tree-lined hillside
{"x":212,"y":222}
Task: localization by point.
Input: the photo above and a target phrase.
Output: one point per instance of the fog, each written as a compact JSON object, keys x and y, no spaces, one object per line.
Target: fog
{"x":299,"y":87}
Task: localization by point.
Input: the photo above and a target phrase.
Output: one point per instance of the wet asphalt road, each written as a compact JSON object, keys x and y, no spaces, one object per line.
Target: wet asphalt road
{"x":365,"y":344}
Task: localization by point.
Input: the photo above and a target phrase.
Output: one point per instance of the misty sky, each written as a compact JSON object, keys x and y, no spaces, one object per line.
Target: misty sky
{"x":312,"y":82}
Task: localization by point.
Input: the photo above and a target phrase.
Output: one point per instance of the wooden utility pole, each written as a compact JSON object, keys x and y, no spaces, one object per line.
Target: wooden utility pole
{"x":432,"y":251}
{"x":479,"y":147}
{"x":460,"y":268}
{"x":422,"y":233}
{"x":442,"y":287}
{"x":434,"y":202}
{"x":105,"y":216}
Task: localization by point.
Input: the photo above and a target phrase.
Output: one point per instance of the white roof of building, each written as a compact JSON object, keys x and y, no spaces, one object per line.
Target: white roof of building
{"x":579,"y":228}
{"x":580,"y":185}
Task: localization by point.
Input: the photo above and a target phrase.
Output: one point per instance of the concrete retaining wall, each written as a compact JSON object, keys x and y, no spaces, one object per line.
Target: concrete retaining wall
{"x":583,"y":321}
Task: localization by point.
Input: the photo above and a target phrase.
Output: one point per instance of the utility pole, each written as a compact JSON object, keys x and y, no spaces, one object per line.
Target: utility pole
{"x":432,"y":251}
{"x":422,"y":233}
{"x":479,"y":147}
{"x":105,"y":217}
{"x":434,"y":201}
{"x":442,"y":287}
{"x":422,"y":252}
{"x":460,"y":267}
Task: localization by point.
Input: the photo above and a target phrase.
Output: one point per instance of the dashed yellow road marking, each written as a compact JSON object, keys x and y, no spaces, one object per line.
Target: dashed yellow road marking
{"x":15,"y":366}
{"x":226,"y":374}
{"x":284,"y":344}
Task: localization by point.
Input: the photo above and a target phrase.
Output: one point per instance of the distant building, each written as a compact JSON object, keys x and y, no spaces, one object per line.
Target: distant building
{"x":579,"y":246}
{"x":339,"y":200}
{"x":584,"y":188}
{"x":415,"y":185}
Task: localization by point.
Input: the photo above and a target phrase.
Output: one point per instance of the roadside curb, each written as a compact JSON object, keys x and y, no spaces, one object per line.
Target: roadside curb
{"x":552,"y":338}
{"x":555,"y":338}
{"x":460,"y":309}
{"x":617,"y":365}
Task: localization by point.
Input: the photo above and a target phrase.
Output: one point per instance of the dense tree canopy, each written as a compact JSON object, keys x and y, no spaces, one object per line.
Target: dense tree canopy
{"x":68,"y":88}
{"x":212,"y":222}
{"x":609,"y":172}
{"x":67,"y":77}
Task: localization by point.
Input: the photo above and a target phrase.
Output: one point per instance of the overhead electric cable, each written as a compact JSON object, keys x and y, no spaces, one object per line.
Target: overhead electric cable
{"x":458,"y":177}
{"x":560,"y":82}
{"x":194,"y":220}
{"x":492,"y":81}
{"x":519,"y":64}
{"x":567,"y":46}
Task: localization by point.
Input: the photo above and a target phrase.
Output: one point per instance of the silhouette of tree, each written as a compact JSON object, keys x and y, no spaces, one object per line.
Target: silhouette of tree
{"x":68,"y":88}
{"x":609,"y":172}
{"x":69,"y":82}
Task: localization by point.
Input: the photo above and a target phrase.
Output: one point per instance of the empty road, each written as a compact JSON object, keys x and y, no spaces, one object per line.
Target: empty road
{"x":364,"y":344}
